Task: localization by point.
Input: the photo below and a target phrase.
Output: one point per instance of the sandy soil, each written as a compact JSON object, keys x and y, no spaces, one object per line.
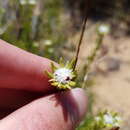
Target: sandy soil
{"x":112,"y":82}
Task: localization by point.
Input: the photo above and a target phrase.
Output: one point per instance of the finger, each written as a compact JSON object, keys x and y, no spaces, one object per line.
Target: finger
{"x":61,"y":111}
{"x":22,"y":70}
{"x":14,"y":99}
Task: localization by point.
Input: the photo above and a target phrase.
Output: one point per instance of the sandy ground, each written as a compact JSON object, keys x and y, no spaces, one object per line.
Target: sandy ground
{"x":112,"y":82}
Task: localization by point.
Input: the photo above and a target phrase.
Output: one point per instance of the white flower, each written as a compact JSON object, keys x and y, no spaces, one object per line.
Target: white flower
{"x":111,"y":120}
{"x":63,"y":75}
{"x":118,"y":120}
{"x":108,"y":119}
{"x":48,"y":42}
{"x":32,"y":2}
{"x":97,"y":118}
{"x":24,"y":2}
{"x":103,"y":29}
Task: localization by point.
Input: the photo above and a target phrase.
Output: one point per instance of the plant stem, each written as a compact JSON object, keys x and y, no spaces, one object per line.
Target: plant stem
{"x":91,"y":58}
{"x":80,"y":42}
{"x":82,"y":33}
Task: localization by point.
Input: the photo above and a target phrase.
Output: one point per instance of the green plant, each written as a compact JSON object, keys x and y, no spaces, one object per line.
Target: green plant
{"x":33,"y":23}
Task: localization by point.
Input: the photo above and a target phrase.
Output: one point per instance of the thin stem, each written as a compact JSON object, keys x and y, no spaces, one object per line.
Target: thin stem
{"x":82,"y":35}
{"x":91,"y":59}
{"x":80,"y":42}
{"x":93,"y":55}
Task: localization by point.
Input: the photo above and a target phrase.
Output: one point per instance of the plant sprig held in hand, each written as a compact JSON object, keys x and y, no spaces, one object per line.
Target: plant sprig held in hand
{"x":63,"y":77}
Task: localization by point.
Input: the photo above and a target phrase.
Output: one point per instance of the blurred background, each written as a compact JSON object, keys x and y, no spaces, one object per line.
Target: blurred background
{"x":51,"y":28}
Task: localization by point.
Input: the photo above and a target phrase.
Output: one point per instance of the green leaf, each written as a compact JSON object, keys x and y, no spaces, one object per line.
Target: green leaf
{"x":55,"y":84}
{"x":72,"y":83}
{"x":61,"y":62}
{"x":49,"y":74}
{"x":53,"y":67}
{"x":59,"y":86}
{"x":70,"y":64}
{"x":67,"y":86}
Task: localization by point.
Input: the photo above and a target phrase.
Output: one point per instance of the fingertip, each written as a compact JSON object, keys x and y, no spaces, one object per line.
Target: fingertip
{"x":82,"y":101}
{"x":77,"y":100}
{"x":63,"y":110}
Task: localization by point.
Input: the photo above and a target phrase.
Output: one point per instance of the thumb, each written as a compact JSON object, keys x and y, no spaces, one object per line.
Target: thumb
{"x":61,"y":111}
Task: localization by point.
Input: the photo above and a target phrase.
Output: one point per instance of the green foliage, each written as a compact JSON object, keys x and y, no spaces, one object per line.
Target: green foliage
{"x":30,"y":25}
{"x":104,"y":120}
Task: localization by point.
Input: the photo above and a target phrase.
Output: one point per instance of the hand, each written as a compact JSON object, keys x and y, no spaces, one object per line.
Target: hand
{"x":27,"y":101}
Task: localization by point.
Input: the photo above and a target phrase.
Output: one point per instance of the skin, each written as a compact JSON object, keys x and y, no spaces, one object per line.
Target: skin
{"x":27,"y":101}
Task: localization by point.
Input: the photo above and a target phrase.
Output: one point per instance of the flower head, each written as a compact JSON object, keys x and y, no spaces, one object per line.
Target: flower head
{"x":62,"y":77}
{"x":103,"y":29}
{"x":108,"y":120}
{"x":48,"y":42}
{"x":24,"y":2}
